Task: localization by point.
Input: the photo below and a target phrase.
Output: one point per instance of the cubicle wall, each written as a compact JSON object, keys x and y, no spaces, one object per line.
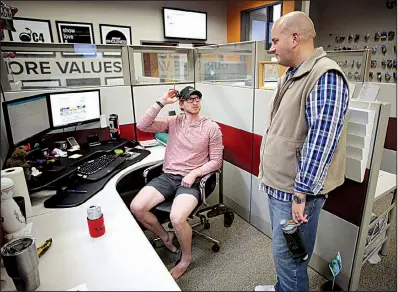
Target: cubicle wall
{"x":232,"y":108}
{"x":388,"y":93}
{"x":240,"y":108}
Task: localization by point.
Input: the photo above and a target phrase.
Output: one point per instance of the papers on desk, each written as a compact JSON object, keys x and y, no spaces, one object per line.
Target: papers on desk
{"x":150,"y":143}
{"x":74,"y":156}
{"x":81,"y":287}
{"x":369,"y":92}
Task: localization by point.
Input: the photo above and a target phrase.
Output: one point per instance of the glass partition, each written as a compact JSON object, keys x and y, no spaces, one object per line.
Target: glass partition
{"x":230,"y":64}
{"x":40,"y":66}
{"x":161,"y":64}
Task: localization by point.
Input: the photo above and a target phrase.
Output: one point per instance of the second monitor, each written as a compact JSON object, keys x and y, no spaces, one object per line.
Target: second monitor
{"x":74,"y":108}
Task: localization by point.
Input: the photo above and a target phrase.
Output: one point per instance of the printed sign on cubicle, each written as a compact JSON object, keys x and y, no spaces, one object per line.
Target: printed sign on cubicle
{"x":59,"y":69}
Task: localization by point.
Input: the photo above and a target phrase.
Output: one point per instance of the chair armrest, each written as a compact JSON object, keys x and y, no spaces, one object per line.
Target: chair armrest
{"x":203,"y":183}
{"x":152,"y":169}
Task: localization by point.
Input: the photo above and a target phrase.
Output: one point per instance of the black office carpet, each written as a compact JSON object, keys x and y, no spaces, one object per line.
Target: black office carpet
{"x":245,"y":260}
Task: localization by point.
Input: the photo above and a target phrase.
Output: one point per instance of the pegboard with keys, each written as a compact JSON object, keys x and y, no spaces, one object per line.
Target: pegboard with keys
{"x":354,"y":64}
{"x":383,"y":56}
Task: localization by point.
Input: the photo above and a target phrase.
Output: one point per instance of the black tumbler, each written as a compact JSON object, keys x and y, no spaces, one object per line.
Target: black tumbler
{"x":114,"y":127}
{"x":294,"y":242}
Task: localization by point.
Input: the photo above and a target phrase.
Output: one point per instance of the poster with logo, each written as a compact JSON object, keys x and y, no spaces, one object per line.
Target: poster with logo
{"x":75,"y":32}
{"x":115,"y":34}
{"x":29,"y":30}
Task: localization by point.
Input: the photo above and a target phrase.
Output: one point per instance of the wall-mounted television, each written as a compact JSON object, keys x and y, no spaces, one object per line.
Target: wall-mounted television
{"x":184,"y":24}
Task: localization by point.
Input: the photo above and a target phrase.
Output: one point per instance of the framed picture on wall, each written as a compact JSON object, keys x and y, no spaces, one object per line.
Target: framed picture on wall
{"x":115,"y":34}
{"x":31,"y":30}
{"x":75,"y":32}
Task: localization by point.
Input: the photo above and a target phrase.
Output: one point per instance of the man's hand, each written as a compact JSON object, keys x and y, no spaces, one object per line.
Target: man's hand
{"x":190,"y":178}
{"x":169,"y":97}
{"x":298,"y":210}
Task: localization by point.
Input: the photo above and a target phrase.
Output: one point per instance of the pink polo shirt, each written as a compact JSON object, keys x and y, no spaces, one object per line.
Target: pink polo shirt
{"x":189,"y":146}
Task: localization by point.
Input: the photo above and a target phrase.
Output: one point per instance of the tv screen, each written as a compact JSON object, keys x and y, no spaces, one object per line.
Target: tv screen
{"x":184,"y":24}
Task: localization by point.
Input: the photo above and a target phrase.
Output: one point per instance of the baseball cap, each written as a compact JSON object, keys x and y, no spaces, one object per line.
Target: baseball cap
{"x":188,"y":91}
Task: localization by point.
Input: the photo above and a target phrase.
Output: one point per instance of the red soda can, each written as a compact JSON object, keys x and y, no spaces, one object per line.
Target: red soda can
{"x":95,"y":220}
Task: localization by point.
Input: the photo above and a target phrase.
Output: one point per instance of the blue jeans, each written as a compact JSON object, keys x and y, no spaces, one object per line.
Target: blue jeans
{"x":292,"y":276}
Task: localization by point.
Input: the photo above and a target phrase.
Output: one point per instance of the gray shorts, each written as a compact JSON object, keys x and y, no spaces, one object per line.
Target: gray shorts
{"x":169,"y":185}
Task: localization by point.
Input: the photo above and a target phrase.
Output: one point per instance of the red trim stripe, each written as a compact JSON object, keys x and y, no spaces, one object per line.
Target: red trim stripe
{"x":348,"y":200}
{"x":256,"y":153}
{"x":144,"y":136}
{"x":391,"y":135}
{"x":238,"y":147}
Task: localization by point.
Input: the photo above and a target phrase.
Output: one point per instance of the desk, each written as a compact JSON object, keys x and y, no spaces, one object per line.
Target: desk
{"x":122,"y":259}
{"x":386,"y":184}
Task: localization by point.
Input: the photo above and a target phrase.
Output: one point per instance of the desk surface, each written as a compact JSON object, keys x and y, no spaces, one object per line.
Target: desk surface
{"x":122,"y":259}
{"x":386,"y":183}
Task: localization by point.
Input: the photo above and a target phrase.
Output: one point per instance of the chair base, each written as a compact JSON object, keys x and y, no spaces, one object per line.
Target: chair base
{"x":218,"y":210}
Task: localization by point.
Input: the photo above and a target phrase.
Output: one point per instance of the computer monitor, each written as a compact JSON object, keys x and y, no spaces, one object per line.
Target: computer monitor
{"x":74,"y":108}
{"x":25,"y":118}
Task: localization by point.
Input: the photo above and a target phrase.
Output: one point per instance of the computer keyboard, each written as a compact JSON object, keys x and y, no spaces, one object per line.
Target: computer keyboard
{"x":99,"y":167}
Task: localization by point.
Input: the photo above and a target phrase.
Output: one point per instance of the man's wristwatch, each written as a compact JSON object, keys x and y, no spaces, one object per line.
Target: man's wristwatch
{"x":298,"y":199}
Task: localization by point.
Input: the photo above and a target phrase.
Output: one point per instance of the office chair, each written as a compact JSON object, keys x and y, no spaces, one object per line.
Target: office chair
{"x":207,"y":185}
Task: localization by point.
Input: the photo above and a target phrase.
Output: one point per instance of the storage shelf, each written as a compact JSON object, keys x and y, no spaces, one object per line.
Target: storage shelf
{"x":386,"y":184}
{"x":374,"y":251}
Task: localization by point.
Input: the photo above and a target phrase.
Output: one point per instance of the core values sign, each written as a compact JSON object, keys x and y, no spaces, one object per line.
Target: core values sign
{"x":75,"y":32}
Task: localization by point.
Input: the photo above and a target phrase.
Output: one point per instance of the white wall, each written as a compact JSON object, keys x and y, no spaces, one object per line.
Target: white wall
{"x":354,"y":16}
{"x":144,"y":17}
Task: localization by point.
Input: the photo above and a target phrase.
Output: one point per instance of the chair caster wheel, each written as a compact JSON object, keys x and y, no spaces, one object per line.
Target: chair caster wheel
{"x":202,"y":219}
{"x":170,"y":225}
{"x":207,"y":225}
{"x":228,"y":218}
{"x":215,"y":247}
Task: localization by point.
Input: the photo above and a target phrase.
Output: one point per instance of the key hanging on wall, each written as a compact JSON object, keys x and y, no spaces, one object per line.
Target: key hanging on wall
{"x":6,"y":18}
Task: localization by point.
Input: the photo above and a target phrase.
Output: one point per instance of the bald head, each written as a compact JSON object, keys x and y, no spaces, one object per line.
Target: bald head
{"x":292,"y":39}
{"x":297,"y":22}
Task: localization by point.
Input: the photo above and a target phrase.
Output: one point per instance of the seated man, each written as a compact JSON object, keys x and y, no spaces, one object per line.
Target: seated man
{"x":194,"y":149}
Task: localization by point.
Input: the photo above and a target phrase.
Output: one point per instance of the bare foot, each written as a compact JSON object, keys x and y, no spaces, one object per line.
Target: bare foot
{"x":179,"y":269}
{"x":169,"y":243}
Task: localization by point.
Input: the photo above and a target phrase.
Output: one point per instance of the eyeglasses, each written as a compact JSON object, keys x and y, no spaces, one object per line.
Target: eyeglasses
{"x":191,"y":100}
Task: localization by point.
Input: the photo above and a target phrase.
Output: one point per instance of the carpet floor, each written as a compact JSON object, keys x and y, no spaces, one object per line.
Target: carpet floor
{"x":245,"y":260}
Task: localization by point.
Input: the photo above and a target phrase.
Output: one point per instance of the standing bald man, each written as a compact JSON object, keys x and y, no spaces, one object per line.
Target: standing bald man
{"x":303,"y":148}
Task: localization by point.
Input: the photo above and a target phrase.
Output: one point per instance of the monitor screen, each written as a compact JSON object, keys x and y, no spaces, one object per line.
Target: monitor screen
{"x":74,"y":108}
{"x":26,"y":117}
{"x":184,"y":24}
